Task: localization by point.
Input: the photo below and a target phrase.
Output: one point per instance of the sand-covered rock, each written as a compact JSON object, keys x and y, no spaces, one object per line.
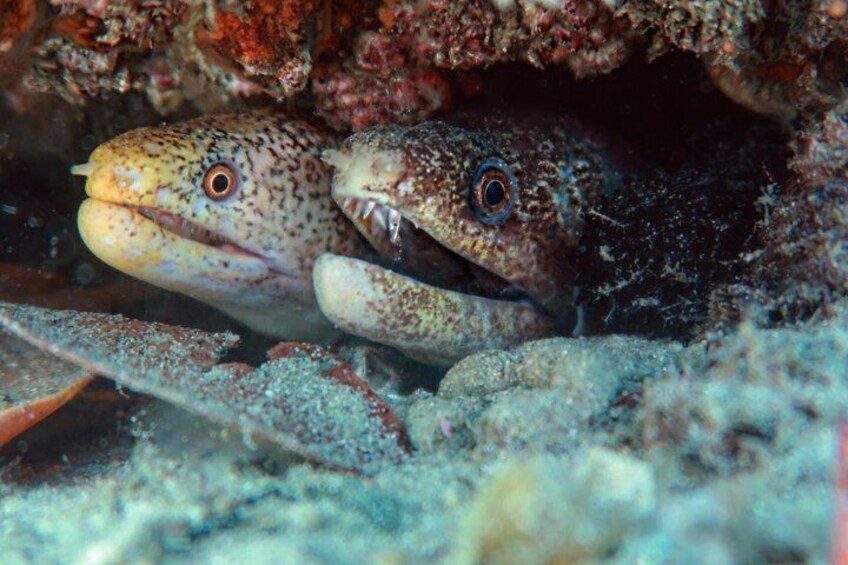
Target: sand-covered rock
{"x":544,"y":396}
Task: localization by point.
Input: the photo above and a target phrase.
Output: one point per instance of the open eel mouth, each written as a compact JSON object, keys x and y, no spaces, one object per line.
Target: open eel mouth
{"x":442,"y":306}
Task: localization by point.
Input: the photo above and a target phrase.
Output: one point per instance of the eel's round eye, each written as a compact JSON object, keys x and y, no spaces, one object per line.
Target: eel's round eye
{"x":220,"y":181}
{"x":493,"y":192}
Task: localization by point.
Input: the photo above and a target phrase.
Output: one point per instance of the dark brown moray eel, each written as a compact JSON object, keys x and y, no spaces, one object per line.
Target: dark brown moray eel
{"x":505,"y":198}
{"x":557,"y":236}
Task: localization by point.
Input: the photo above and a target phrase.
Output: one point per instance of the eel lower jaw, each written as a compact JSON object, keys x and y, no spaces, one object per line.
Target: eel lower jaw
{"x":185,"y":228}
{"x":142,"y":241}
{"x":433,"y":323}
{"x":427,"y":323}
{"x":181,"y":227}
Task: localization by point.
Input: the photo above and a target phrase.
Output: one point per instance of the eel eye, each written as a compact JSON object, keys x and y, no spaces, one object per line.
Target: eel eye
{"x":220,"y":181}
{"x":493,"y":192}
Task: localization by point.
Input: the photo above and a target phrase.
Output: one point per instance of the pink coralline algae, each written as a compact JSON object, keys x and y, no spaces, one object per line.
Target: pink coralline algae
{"x":586,"y":36}
{"x":397,"y":74}
{"x":379,"y":86}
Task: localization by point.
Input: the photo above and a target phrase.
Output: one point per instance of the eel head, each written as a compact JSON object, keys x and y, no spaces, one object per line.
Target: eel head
{"x":505,"y":205}
{"x":232,"y":210}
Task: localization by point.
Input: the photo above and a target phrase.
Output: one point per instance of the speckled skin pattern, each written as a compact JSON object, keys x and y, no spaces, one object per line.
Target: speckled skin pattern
{"x":427,"y":323}
{"x":560,"y":171}
{"x":250,"y":254}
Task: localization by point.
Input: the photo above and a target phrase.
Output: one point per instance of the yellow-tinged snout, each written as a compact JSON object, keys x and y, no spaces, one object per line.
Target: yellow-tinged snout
{"x":124,"y":174}
{"x":108,"y":223}
{"x":126,"y":240}
{"x":120,"y":236}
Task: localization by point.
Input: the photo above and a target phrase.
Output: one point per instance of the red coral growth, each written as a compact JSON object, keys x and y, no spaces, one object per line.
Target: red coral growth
{"x":78,"y":28}
{"x":17,"y":18}
{"x":271,"y":42}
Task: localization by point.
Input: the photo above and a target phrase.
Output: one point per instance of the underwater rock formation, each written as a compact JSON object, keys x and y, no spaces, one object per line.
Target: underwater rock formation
{"x":586,"y":35}
{"x":542,"y":397}
{"x":175,"y":50}
{"x":775,"y":58}
{"x":17,"y":17}
{"x":804,"y":261}
{"x":418,"y":41}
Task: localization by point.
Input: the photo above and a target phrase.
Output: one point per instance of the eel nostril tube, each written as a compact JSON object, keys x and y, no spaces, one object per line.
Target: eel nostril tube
{"x":83,"y":169}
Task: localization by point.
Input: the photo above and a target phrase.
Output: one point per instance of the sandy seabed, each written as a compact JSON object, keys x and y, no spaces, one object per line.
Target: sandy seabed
{"x":612,"y":449}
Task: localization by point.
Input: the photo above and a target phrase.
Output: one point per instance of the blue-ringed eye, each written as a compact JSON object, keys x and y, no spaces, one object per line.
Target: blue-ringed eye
{"x":494,"y":191}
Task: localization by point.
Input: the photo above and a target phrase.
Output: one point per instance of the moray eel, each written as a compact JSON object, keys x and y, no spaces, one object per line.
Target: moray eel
{"x":503,"y":198}
{"x":232,"y":210}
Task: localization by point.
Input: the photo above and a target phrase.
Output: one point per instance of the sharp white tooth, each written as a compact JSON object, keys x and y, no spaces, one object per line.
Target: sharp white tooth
{"x":369,"y":207}
{"x":360,"y":205}
{"x":347,"y":202}
{"x":395,"y":236}
{"x":394,"y":226}
{"x":380,"y":217}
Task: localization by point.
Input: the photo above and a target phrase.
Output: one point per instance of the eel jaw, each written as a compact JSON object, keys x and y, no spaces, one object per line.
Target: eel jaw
{"x":156,"y":251}
{"x":428,"y":323}
{"x":236,"y":281}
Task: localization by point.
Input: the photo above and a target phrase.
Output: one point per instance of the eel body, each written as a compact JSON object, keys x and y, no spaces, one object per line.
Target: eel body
{"x":232,"y":210}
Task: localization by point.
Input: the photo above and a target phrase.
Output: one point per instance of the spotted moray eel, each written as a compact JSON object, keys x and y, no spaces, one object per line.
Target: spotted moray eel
{"x":556,"y":229}
{"x":232,"y":210}
{"x":502,"y":198}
